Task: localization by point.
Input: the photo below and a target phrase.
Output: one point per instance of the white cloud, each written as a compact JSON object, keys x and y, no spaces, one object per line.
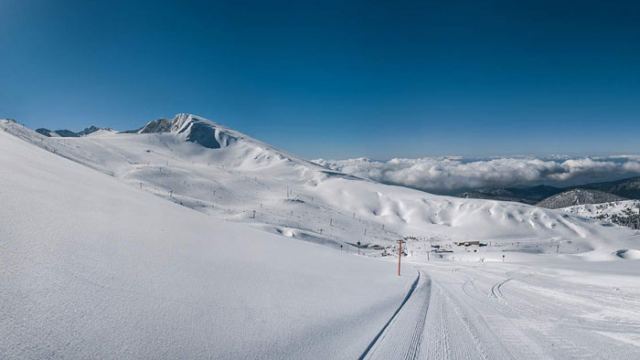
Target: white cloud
{"x":450,"y":174}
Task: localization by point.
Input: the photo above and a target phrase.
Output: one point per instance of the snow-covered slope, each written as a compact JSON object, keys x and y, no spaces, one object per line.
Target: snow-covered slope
{"x":578,"y":197}
{"x":92,"y":268}
{"x":210,"y":168}
{"x":93,"y":265}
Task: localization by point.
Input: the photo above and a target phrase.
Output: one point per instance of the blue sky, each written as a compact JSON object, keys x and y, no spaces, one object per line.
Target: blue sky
{"x":336,"y":79}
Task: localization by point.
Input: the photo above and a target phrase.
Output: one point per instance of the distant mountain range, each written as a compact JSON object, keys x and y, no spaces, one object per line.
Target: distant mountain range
{"x":554,"y":197}
{"x":204,"y":166}
{"x":528,"y":195}
{"x":68,"y":133}
{"x":578,"y":197}
{"x":541,"y":195}
{"x":628,"y":188}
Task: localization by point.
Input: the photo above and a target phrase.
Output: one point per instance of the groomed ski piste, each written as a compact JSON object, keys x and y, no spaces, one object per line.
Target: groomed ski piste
{"x":191,"y":240}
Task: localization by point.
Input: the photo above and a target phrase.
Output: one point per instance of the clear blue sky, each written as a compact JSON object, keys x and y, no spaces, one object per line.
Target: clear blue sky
{"x":336,"y":79}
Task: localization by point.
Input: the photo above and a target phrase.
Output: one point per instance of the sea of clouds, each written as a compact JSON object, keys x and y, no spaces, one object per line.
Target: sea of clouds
{"x":450,"y":174}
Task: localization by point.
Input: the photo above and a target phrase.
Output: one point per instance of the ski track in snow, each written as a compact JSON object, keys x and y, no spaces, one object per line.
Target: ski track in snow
{"x":497,"y":311}
{"x":508,"y":311}
{"x":401,"y":337}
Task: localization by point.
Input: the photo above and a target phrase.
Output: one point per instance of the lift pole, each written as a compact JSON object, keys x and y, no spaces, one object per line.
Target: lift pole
{"x":399,"y":255}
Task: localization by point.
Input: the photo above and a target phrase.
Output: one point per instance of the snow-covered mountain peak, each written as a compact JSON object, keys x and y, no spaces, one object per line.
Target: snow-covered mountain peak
{"x":156,"y":126}
{"x":193,"y":129}
{"x":178,"y":124}
{"x":181,"y":122}
{"x":247,"y":151}
{"x":203,"y":132}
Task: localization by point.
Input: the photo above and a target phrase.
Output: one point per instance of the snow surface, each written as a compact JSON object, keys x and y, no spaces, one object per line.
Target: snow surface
{"x":92,"y":268}
{"x":547,"y":309}
{"x":96,"y":266}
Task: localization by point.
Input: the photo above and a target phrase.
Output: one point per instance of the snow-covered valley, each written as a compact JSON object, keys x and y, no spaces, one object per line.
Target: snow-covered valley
{"x":192,"y":240}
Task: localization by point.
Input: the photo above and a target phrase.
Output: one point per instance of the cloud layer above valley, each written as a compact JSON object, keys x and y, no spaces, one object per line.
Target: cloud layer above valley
{"x":450,"y":174}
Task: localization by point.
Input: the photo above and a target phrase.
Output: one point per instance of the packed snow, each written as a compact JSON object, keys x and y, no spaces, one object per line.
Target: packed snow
{"x":190,"y":239}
